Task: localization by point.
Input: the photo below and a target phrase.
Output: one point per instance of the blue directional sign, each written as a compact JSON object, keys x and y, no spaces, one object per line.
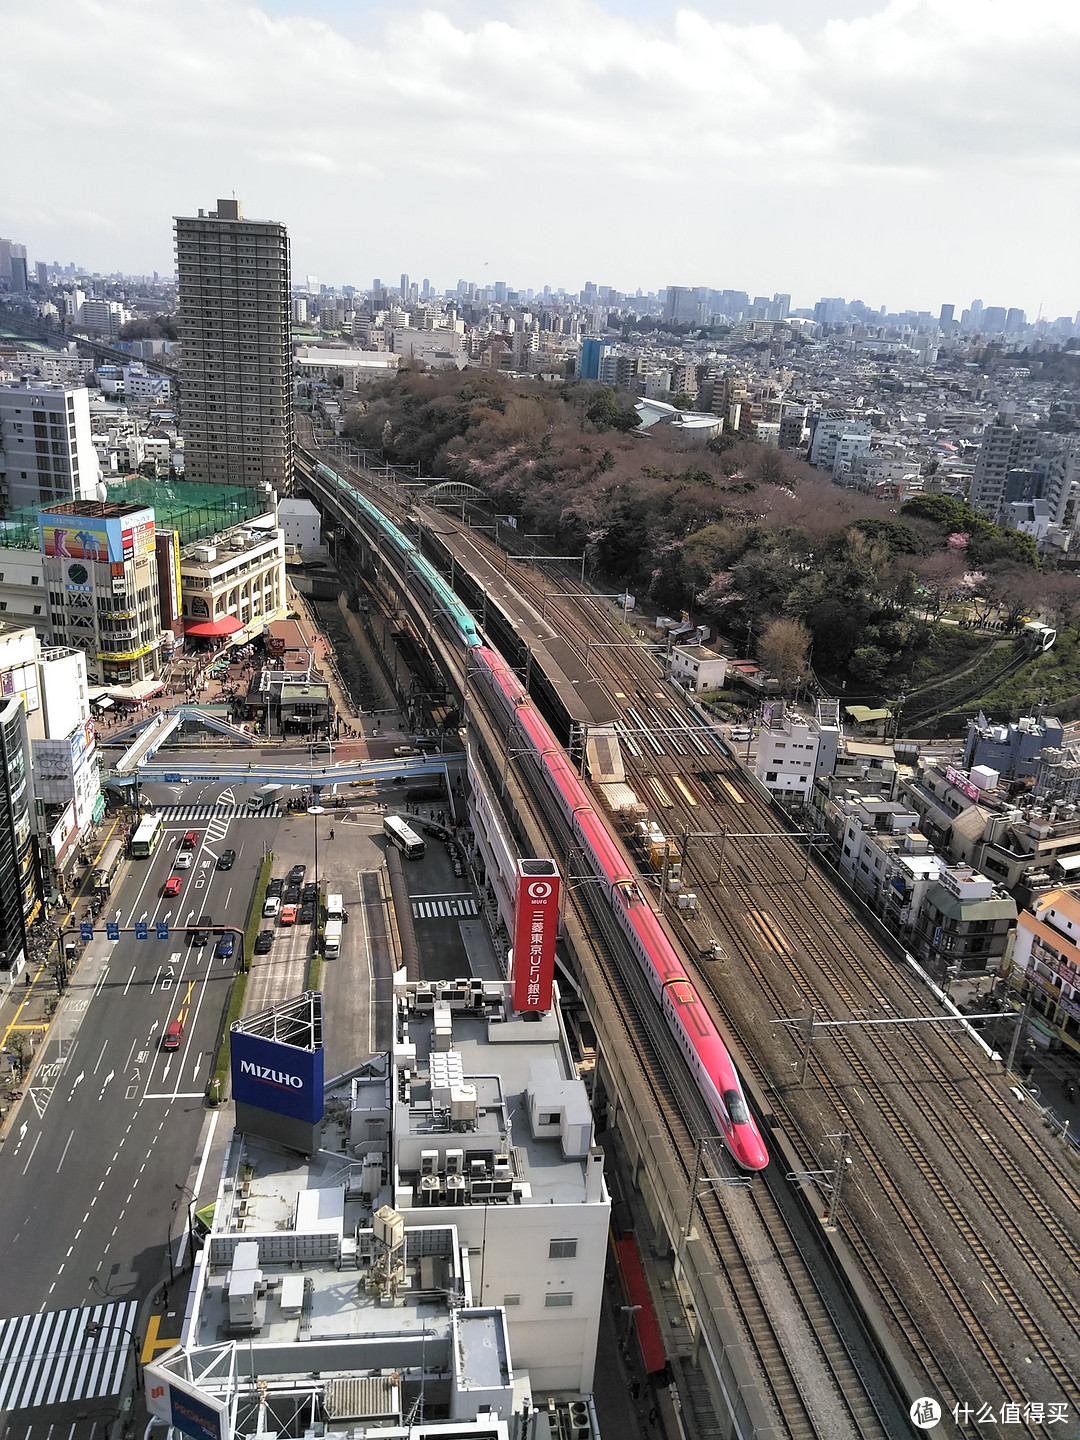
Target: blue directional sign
{"x":112,"y":930}
{"x":142,"y":931}
{"x":86,"y":932}
{"x":162,"y":929}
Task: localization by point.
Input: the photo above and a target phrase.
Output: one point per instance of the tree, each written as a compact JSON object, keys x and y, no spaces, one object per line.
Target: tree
{"x":683,"y":401}
{"x":783,"y":651}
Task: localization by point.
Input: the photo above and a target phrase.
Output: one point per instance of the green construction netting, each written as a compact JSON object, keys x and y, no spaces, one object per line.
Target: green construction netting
{"x":196,"y":511}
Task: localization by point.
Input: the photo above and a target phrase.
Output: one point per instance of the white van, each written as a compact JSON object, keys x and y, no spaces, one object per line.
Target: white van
{"x":335,"y":907}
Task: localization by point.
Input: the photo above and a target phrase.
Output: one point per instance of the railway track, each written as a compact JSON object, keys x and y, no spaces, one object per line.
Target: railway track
{"x":824,"y":983}
{"x":953,"y":1181}
{"x":787,"y":1327}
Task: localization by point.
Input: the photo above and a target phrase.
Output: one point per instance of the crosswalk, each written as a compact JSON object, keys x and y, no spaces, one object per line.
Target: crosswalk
{"x":452,"y":905}
{"x":173,"y":814}
{"x":61,"y":1355}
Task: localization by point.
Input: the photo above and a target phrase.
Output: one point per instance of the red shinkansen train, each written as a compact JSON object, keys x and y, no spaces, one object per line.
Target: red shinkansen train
{"x":688,"y":1019}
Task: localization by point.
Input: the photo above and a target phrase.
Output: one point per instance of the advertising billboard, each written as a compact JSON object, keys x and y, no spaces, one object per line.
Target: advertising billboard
{"x":94,"y":539}
{"x":272,"y":1075}
{"x":193,"y":1414}
{"x":962,"y":783}
{"x":536,"y":925}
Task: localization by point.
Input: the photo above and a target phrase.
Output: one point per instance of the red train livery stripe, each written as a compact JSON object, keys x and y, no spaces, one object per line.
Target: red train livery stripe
{"x":687,"y":1017}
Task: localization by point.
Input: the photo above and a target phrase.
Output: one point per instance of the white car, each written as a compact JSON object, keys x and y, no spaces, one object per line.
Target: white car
{"x":271,"y":905}
{"x":183,"y":859}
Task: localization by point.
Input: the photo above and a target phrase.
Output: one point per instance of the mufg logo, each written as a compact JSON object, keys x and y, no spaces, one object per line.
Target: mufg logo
{"x":539,"y":889}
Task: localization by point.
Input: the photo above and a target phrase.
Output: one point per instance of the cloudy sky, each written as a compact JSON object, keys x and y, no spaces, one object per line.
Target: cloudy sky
{"x":903,"y":152}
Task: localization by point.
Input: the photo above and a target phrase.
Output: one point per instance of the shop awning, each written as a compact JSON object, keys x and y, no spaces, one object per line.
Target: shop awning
{"x":213,"y":629}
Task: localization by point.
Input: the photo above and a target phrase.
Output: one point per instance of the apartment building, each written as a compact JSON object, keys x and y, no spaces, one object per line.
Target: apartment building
{"x":1006,"y":446}
{"x":792,"y":751}
{"x":46,"y":450}
{"x":235,"y":395}
{"x":1045,"y":965}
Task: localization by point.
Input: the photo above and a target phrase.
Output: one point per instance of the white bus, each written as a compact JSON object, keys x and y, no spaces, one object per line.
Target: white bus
{"x":406,"y":840}
{"x":146,"y":837}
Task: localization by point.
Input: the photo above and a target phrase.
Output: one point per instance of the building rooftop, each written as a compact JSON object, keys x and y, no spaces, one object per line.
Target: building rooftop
{"x":311,"y":1284}
{"x":195,"y":511}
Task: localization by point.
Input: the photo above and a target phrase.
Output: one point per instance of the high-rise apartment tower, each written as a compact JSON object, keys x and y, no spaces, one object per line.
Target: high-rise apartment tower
{"x":235,"y":361}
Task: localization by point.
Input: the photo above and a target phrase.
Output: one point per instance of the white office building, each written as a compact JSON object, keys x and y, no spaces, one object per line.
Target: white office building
{"x":46,"y":451}
{"x":434,"y":1268}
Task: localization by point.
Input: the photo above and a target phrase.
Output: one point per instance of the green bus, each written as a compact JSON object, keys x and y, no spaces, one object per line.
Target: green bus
{"x":149,"y":832}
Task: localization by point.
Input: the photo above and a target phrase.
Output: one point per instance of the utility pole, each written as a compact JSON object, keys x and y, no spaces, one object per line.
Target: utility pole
{"x":838,"y":1184}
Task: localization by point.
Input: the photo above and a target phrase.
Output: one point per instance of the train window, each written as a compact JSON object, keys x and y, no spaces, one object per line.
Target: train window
{"x":736,"y":1107}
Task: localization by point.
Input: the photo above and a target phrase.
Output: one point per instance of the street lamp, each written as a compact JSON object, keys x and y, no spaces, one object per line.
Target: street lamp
{"x":188,"y":1194}
{"x":315,"y":811}
{"x":95,"y":1328}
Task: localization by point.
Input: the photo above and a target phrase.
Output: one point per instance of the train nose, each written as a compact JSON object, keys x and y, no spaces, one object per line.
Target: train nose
{"x":752,"y":1152}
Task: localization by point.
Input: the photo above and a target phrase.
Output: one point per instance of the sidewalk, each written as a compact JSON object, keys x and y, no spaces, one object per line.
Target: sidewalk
{"x":28,"y":1003}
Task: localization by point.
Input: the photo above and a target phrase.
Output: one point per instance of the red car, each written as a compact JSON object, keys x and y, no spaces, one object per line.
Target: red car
{"x":173,"y":1035}
{"x":173,"y":885}
{"x":190,"y":840}
{"x":288,"y":915}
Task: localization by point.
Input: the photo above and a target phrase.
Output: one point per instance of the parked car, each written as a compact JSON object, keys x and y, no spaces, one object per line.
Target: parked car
{"x":288,"y":915}
{"x":264,"y":941}
{"x":309,"y":892}
{"x":225,"y":947}
{"x":174,"y":1033}
{"x":296,"y":874}
{"x":226,"y":859}
{"x":307,"y":912}
{"x":271,"y":906}
{"x":173,"y":885}
{"x":275,"y":887}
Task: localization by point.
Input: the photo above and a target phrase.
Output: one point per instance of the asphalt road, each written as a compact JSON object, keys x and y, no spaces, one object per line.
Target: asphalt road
{"x":111,"y":1121}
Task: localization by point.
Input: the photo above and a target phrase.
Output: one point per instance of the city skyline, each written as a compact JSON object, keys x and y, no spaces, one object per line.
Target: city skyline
{"x":909,"y":154}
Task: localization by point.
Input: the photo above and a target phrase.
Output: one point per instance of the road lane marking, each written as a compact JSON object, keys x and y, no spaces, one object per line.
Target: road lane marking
{"x":131,"y":977}
{"x":101,"y":1057}
{"x":62,"y":1157}
{"x":31,"y":1155}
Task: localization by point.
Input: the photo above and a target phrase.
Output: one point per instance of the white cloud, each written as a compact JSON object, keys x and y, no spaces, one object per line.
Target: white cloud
{"x":916,"y":153}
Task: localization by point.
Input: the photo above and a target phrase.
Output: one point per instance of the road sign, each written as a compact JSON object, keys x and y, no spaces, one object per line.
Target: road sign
{"x":163,"y":930}
{"x":86,"y":932}
{"x":141,"y":930}
{"x":112,"y":930}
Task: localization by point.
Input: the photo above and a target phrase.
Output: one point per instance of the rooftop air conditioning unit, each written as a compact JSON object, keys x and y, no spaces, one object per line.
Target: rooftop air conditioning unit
{"x":429,"y":1162}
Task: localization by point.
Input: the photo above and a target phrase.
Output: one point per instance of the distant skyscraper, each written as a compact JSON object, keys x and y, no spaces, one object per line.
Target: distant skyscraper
{"x":946,"y":317}
{"x":993,"y":319}
{"x":20,"y":278}
{"x":236,"y":360}
{"x":42,"y":271}
{"x":404,"y":285}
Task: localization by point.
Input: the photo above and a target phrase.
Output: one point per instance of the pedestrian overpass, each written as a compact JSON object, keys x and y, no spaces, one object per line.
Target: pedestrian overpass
{"x":153,"y":734}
